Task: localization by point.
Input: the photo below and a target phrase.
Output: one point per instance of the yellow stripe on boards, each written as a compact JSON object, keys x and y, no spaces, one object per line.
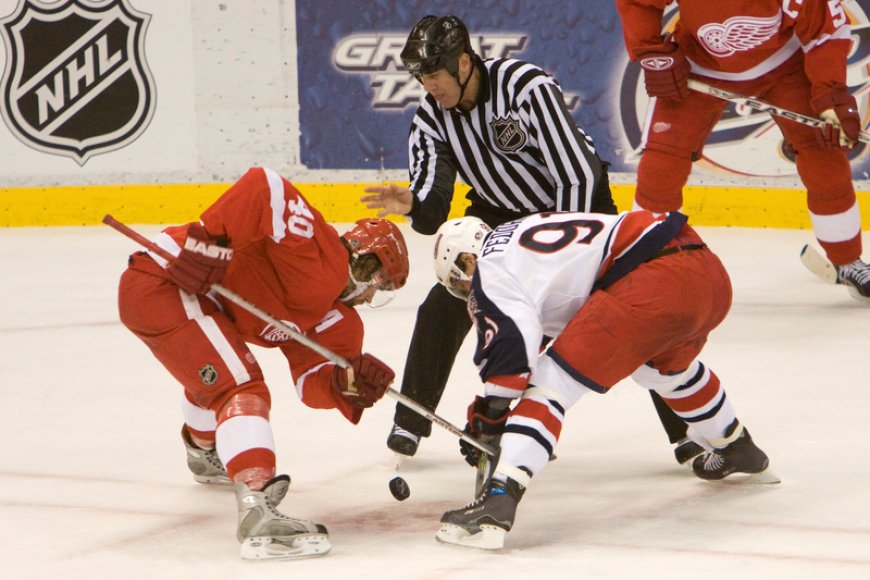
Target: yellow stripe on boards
{"x":339,"y":202}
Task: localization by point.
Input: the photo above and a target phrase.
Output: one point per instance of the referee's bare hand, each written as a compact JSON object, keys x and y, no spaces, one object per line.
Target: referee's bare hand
{"x":388,"y":199}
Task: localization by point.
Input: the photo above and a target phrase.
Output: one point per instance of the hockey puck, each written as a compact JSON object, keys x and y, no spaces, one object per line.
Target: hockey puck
{"x":399,"y":488}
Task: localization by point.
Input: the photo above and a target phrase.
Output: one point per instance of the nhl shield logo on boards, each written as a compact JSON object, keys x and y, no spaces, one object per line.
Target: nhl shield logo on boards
{"x":76,"y":82}
{"x":509,"y":135}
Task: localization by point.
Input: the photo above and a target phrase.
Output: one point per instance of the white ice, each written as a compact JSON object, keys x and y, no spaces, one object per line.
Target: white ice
{"x":93,"y":482}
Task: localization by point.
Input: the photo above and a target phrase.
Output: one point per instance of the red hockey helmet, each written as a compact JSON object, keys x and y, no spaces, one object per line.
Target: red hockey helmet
{"x":383,"y":239}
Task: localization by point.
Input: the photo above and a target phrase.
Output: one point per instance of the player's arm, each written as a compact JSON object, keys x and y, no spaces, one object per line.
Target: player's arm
{"x":502,"y":360}
{"x":509,"y":334}
{"x":432,"y":170}
{"x":321,"y":384}
{"x":665,"y":67}
{"x":642,"y":25}
{"x":823,"y":29}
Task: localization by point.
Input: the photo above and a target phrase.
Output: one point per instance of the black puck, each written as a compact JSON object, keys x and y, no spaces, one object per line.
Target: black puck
{"x":399,"y":488}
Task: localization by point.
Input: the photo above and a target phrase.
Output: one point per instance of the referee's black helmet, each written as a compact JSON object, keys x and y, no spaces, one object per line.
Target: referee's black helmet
{"x":434,"y":44}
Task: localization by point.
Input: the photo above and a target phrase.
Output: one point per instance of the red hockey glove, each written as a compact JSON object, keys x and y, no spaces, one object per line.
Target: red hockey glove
{"x":842,"y":125}
{"x":486,"y":419}
{"x":201,"y":263}
{"x":666,"y":72}
{"x":364,"y":383}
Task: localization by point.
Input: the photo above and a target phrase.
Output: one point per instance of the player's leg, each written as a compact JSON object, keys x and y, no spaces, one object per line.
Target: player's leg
{"x":686,"y":385}
{"x":827,"y":175}
{"x":527,"y":443}
{"x":441,"y":326}
{"x":200,"y":347}
{"x":198,"y":435}
{"x":674,"y":137}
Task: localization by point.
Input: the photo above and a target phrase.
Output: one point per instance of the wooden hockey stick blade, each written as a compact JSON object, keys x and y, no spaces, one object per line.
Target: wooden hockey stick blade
{"x":763,"y":106}
{"x":819,"y":265}
{"x":299,"y":337}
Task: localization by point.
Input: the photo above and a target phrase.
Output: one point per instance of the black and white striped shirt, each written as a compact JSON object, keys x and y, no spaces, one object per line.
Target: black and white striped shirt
{"x":519,"y":149}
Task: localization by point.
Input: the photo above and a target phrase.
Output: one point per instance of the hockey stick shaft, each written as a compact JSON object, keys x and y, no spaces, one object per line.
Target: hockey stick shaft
{"x":758,"y":105}
{"x":299,"y":337}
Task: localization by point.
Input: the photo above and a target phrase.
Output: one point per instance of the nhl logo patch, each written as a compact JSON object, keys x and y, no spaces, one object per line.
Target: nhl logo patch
{"x":508,"y":134}
{"x":76,"y":82}
{"x":208,"y":374}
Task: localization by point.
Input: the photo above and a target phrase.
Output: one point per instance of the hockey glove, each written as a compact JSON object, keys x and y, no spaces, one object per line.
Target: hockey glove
{"x":842,"y":126}
{"x":666,"y":72}
{"x":486,"y":419}
{"x":364,"y":383}
{"x":201,"y":263}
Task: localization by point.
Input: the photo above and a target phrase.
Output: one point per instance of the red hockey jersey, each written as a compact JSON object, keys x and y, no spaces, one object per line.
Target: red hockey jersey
{"x":290,"y":263}
{"x":738,"y":40}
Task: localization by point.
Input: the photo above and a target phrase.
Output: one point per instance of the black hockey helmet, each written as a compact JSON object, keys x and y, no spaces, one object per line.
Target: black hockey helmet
{"x":436,"y":43}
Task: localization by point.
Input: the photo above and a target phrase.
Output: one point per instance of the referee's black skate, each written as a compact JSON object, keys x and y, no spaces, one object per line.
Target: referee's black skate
{"x":484,"y":522}
{"x":739,"y":457}
{"x":403,"y":441}
{"x":686,"y":450}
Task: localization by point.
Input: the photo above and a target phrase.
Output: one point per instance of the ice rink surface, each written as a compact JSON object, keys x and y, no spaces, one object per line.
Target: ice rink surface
{"x":93,"y":482}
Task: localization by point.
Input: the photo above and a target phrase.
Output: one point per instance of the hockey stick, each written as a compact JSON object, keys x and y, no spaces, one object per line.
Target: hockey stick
{"x":819,"y":265}
{"x":758,"y":105}
{"x":301,"y":338}
{"x":810,"y":256}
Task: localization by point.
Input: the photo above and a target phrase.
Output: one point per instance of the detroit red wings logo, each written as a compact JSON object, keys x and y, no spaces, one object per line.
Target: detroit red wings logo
{"x":738,"y":34}
{"x":76,"y":82}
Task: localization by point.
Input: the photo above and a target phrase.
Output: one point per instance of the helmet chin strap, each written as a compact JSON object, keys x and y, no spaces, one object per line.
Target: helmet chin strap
{"x":359,"y":288}
{"x":462,"y":85}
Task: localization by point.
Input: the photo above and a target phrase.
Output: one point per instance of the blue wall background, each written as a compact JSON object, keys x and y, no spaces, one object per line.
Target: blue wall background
{"x":356,"y":104}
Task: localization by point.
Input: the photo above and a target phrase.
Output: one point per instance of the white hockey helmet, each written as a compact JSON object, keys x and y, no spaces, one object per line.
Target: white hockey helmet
{"x":454,"y":237}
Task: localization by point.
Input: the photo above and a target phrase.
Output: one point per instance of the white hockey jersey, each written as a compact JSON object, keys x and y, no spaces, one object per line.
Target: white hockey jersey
{"x":534,"y":274}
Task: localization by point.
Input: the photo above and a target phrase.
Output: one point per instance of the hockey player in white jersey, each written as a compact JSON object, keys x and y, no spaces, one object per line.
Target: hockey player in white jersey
{"x":634,"y":294}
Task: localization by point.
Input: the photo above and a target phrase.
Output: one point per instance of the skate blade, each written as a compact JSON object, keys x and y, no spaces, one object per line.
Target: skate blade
{"x":402,"y":461}
{"x":287,"y":548}
{"x":742,"y":478}
{"x":853,"y":292}
{"x":213,"y":479}
{"x":765,"y":477}
{"x":488,"y":538}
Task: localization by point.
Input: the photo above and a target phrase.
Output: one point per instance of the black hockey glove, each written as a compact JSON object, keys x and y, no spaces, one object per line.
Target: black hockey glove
{"x":486,"y":419}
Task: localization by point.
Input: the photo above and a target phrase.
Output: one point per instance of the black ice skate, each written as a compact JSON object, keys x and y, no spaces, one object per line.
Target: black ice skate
{"x":402,"y":441}
{"x":856,"y":277}
{"x":484,"y":522}
{"x":740,"y":456}
{"x":686,"y":450}
{"x":205,"y":464}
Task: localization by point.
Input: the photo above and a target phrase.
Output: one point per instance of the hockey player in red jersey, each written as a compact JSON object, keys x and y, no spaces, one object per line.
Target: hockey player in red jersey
{"x":262,"y":240}
{"x":629,"y":295}
{"x":790,"y":53}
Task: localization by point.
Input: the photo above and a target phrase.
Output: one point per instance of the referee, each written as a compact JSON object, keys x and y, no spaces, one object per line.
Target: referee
{"x":503,"y":126}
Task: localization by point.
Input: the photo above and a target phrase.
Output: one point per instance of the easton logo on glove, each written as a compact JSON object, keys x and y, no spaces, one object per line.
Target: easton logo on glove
{"x":207,"y":249}
{"x":201,"y":262}
{"x":657,"y":63}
